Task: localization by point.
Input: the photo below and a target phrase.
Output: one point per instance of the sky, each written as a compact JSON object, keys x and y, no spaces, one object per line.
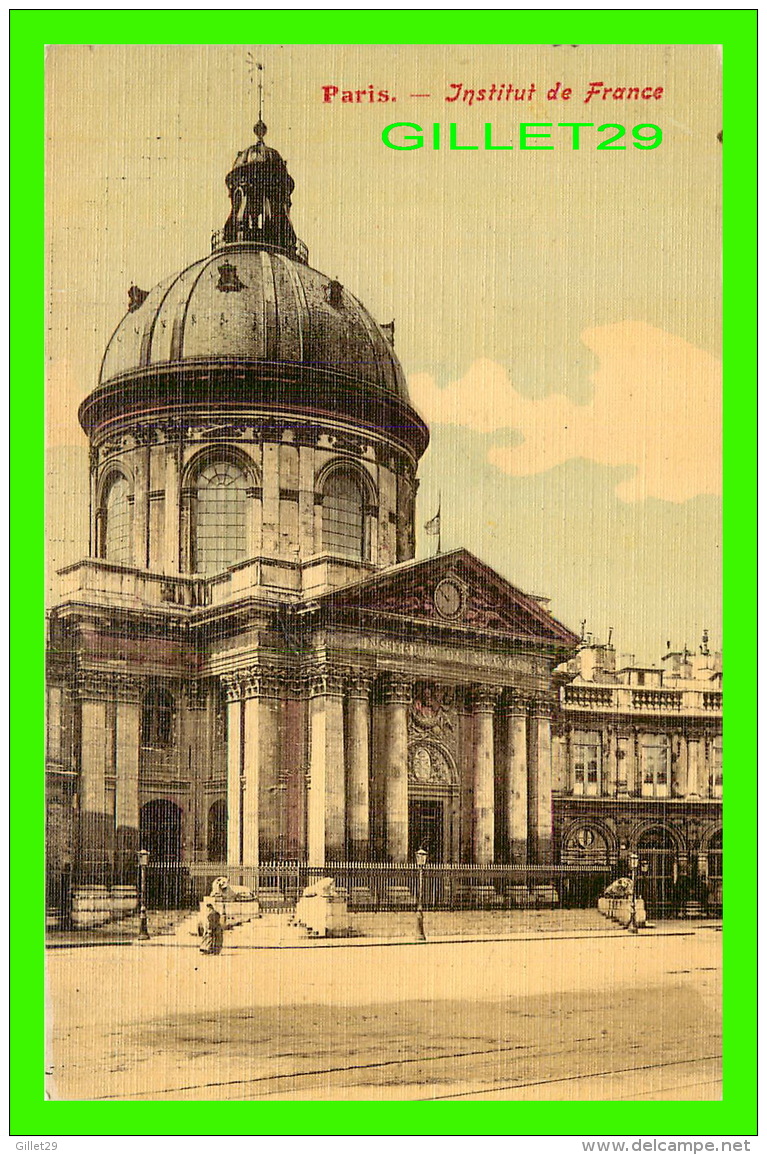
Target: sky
{"x":557,"y":312}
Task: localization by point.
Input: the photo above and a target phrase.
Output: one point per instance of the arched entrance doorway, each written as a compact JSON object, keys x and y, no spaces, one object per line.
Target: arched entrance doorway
{"x":217,"y":817}
{"x":658,"y":882}
{"x":584,"y":846}
{"x":715,"y":872}
{"x":160,"y":833}
{"x":432,"y":802}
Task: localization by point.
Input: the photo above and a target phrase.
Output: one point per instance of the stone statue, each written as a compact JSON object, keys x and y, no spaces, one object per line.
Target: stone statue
{"x":621,"y":888}
{"x":223,"y":889}
{"x":321,"y":888}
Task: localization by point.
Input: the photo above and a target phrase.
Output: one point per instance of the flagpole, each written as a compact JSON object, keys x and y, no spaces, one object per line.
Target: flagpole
{"x":439,"y":524}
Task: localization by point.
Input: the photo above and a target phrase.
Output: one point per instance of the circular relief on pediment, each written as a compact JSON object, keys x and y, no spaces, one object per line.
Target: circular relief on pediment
{"x":429,"y":765}
{"x":448,"y":598}
{"x":585,"y":838}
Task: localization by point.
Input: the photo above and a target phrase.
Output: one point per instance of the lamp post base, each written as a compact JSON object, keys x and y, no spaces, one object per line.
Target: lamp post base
{"x":143,"y":929}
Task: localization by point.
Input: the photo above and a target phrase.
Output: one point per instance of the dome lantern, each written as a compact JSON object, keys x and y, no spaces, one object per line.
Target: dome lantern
{"x":260,"y":190}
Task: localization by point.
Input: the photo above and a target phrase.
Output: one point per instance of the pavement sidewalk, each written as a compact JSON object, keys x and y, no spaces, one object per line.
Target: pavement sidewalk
{"x":273,"y":932}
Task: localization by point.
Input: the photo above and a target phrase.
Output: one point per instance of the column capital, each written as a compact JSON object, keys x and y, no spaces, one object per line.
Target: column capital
{"x":396,"y":690}
{"x":358,"y":683}
{"x":515,"y":703}
{"x":232,"y":685}
{"x":326,"y":679}
{"x":541,"y":708}
{"x":264,"y":681}
{"x":484,"y":698}
{"x":108,"y":685}
{"x":256,"y":681}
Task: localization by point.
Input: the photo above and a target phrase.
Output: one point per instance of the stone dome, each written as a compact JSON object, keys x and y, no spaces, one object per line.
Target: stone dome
{"x":246,"y":303}
{"x":253,"y":331}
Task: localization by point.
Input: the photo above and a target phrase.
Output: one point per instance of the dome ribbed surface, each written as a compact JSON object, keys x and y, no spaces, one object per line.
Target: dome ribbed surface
{"x":247,"y":303}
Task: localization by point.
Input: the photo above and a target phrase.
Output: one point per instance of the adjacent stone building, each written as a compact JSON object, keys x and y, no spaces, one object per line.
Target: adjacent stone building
{"x":638,"y":768}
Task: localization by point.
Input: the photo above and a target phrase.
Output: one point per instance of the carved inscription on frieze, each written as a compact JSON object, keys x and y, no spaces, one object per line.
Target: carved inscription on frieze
{"x":517,"y":663}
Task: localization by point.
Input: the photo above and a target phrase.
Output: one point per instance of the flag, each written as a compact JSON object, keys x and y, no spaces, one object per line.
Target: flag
{"x":433,"y":525}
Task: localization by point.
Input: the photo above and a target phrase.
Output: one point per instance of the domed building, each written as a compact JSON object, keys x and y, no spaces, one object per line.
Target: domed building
{"x":250,"y":667}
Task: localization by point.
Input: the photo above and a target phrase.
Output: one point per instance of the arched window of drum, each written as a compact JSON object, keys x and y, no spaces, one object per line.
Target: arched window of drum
{"x":157,"y":720}
{"x":116,"y":531}
{"x":220,"y":522}
{"x":343,"y":516}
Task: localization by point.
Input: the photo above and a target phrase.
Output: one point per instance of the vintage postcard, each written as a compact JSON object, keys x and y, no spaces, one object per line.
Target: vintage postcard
{"x":383,"y":566}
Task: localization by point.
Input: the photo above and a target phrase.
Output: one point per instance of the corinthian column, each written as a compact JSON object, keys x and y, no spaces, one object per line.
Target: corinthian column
{"x":171,"y":512}
{"x":327,"y":804}
{"x":264,"y":785}
{"x":609,"y":763}
{"x":693,"y":767}
{"x":539,"y":782}
{"x":623,"y":753}
{"x":396,"y":696}
{"x":234,"y":843}
{"x":515,"y":774}
{"x":483,"y":705}
{"x":141,"y":507}
{"x":679,"y":770}
{"x":96,"y":823}
{"x":358,"y":766}
{"x":127,"y":740}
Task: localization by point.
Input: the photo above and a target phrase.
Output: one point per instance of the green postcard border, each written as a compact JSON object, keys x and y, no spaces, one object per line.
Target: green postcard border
{"x":30,"y":31}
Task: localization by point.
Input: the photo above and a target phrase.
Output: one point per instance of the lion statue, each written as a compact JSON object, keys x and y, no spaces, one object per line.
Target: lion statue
{"x":621,"y":888}
{"x":321,"y":888}
{"x":222,"y":888}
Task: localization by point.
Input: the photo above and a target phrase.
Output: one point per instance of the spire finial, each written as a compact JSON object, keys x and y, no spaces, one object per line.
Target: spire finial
{"x":257,"y":69}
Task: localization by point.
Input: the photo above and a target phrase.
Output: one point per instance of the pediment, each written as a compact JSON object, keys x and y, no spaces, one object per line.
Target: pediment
{"x":455,"y":591}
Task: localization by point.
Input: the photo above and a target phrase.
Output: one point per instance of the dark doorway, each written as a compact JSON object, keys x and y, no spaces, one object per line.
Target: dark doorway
{"x":161,"y":830}
{"x":658,"y":879}
{"x":426,"y":828}
{"x":217,"y":832}
{"x":715,"y":872}
{"x":160,"y":833}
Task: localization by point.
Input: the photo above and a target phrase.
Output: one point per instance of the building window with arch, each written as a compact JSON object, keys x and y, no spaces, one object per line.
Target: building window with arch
{"x":219,"y":517}
{"x":116,"y":520}
{"x":654,"y":759}
{"x":586,"y":754}
{"x":157,"y":712}
{"x":343,"y":515}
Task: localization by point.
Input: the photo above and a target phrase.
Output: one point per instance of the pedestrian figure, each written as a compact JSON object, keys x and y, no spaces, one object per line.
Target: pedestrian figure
{"x":213,"y":939}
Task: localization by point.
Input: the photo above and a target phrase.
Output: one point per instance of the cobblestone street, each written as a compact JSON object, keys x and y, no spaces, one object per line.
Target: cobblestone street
{"x":564,"y":1007}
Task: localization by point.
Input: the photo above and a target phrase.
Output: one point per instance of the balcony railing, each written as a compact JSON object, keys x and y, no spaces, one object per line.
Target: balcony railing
{"x":589,"y":696}
{"x":656,"y":699}
{"x":622,"y":699}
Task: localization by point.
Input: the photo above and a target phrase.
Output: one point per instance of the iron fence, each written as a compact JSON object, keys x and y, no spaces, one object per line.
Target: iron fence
{"x":394,"y":886}
{"x":370,"y":886}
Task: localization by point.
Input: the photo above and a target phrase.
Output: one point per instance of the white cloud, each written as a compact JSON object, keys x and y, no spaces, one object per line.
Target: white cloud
{"x":656,"y":406}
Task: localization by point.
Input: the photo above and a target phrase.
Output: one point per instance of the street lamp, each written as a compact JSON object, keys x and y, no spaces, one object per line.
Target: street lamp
{"x":143,"y":862}
{"x":633,"y":864}
{"x":420,"y":858}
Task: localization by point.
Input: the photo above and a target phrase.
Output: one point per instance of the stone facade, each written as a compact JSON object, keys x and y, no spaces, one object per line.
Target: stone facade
{"x":638,"y":768}
{"x":322,"y":729}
